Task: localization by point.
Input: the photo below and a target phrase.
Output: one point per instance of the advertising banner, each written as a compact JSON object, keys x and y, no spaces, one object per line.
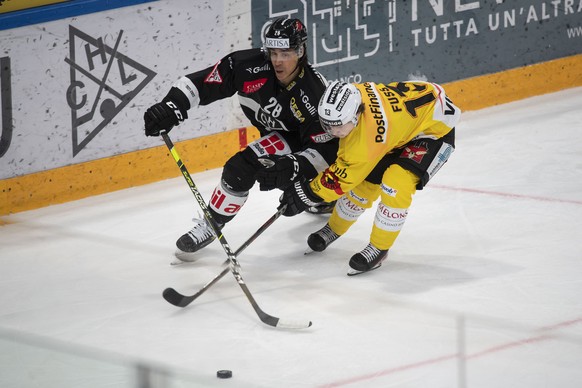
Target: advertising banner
{"x":439,"y":40}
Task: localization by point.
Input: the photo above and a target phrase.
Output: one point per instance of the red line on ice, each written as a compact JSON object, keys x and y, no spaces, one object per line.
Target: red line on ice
{"x":448,"y":357}
{"x":509,"y":195}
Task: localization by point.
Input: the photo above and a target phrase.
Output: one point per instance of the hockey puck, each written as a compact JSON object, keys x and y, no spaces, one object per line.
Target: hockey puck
{"x":224,"y":374}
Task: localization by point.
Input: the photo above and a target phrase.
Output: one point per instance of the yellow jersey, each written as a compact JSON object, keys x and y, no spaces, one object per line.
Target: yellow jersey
{"x":394,"y":114}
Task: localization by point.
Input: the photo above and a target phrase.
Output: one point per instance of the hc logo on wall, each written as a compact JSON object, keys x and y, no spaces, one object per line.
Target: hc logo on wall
{"x":103,"y":82}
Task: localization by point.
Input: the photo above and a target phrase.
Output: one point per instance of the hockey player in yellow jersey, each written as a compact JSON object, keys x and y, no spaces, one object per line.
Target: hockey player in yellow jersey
{"x":393,"y":139}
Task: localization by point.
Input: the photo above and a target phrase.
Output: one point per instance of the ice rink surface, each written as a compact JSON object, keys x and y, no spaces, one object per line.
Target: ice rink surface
{"x":483,"y":288}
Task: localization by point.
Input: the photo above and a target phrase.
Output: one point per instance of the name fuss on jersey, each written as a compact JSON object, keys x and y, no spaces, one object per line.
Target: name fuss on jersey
{"x":380,"y":122}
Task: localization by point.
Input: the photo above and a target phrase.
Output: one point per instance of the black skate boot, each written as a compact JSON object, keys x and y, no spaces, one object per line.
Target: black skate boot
{"x":366,"y":260}
{"x":197,"y":238}
{"x":321,"y":239}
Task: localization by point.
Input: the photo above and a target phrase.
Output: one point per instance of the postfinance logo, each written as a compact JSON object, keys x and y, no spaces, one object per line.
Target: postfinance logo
{"x":103,"y":82}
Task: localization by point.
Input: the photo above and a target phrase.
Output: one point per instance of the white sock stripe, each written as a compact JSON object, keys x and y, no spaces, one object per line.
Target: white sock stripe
{"x":348,"y":210}
{"x":227,"y":202}
{"x":390,"y":219}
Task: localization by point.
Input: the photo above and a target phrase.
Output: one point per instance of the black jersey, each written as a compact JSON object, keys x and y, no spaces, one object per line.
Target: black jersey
{"x":291,"y":110}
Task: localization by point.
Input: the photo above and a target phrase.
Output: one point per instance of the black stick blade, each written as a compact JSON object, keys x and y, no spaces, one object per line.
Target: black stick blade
{"x":174,"y":297}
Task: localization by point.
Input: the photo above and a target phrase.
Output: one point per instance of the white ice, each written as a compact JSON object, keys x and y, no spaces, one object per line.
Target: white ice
{"x":483,"y":288}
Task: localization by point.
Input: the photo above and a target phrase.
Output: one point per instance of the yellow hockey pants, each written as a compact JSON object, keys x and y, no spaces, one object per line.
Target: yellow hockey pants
{"x":396,"y":191}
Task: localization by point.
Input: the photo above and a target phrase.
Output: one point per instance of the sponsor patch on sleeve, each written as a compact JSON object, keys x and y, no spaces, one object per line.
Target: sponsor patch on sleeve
{"x":214,"y":75}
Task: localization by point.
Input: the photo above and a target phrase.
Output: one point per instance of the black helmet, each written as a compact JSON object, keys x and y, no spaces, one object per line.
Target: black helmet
{"x":285,"y":33}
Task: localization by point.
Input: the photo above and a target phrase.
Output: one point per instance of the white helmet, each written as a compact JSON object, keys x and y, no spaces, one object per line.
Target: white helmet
{"x":339,"y":105}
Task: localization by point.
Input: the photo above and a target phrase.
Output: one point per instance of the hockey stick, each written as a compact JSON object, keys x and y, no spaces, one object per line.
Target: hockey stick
{"x":234,"y":265}
{"x":180,"y":300}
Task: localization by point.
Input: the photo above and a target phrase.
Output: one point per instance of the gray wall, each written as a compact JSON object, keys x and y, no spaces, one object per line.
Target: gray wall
{"x":442,"y":40}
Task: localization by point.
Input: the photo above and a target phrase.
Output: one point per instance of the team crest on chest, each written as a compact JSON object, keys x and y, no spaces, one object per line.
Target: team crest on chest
{"x":330,"y":181}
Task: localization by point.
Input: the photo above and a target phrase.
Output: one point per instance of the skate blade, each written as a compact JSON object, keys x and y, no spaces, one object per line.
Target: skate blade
{"x":353,"y":272}
{"x":178,"y":262}
{"x":184,"y":257}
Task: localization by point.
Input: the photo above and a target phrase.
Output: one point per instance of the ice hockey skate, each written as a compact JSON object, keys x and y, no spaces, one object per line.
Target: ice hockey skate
{"x":321,"y":239}
{"x":369,"y":259}
{"x":197,"y":238}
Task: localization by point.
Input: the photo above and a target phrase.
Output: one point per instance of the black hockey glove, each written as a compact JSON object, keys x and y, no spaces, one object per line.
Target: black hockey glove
{"x":162,"y":116}
{"x":278,"y":172}
{"x":298,"y":197}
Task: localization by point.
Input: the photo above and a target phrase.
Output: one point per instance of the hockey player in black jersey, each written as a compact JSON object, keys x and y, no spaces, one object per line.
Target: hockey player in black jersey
{"x":278,"y":91}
